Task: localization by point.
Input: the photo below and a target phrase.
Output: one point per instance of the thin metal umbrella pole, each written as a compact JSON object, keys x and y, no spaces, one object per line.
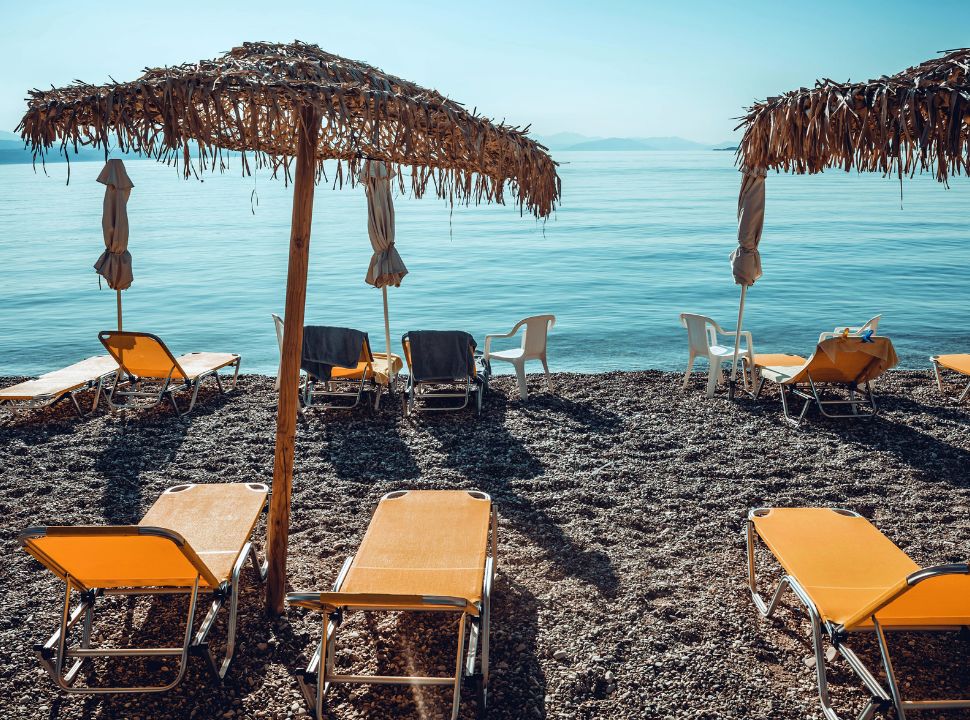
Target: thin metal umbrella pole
{"x":387,"y":333}
{"x":118,"y":292}
{"x":737,"y":337}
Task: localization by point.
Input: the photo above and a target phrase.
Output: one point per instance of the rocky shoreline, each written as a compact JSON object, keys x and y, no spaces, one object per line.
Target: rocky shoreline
{"x":621,"y":587}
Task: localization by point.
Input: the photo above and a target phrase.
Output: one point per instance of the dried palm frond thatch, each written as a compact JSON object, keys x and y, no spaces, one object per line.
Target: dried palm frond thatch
{"x":918,"y":119}
{"x":250,"y":100}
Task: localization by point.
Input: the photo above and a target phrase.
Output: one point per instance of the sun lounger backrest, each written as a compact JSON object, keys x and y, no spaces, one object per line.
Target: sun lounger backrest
{"x":439,"y":355}
{"x":848,"y":360}
{"x":142,"y":354}
{"x":117,"y":556}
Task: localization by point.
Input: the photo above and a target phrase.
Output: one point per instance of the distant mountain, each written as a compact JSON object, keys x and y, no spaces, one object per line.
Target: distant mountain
{"x":646,"y":143}
{"x":571,"y":141}
{"x":563,"y":140}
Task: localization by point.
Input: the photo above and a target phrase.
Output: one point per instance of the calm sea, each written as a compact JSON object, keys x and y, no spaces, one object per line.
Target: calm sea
{"x":640,"y":238}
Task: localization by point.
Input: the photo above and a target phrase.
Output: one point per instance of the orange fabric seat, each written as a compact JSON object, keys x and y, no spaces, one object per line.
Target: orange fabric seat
{"x":190,"y":531}
{"x":849,"y":569}
{"x":956,"y":363}
{"x":420,"y":545}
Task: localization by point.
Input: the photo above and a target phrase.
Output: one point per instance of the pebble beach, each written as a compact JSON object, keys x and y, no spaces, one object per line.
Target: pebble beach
{"x":621,"y":588}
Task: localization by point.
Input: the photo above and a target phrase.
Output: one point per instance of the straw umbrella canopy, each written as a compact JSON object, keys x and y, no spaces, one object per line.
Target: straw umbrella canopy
{"x":386,"y":266}
{"x":114,"y":264}
{"x":278,"y":104}
{"x":915,"y":120}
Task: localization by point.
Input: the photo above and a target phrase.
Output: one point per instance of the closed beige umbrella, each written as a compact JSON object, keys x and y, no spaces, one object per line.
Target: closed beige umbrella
{"x":746,"y":260}
{"x":114,"y":265}
{"x":386,"y":266}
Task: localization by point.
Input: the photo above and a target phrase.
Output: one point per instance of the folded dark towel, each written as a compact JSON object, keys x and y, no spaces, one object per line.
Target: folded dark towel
{"x":325,"y":348}
{"x":441,"y":355}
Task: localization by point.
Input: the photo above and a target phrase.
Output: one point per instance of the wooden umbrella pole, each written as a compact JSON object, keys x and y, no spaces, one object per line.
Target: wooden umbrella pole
{"x":278,"y":524}
{"x":119,"y":309}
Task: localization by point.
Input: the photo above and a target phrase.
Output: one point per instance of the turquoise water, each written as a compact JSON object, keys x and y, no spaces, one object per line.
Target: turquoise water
{"x":640,"y":238}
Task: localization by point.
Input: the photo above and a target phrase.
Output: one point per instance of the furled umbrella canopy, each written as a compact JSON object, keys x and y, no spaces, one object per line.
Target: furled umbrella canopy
{"x":114,"y":265}
{"x":386,"y":266}
{"x":284,"y":102}
{"x":915,"y":120}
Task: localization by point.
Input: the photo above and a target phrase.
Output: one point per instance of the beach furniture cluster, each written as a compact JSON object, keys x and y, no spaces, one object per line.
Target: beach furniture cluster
{"x":195,"y":540}
{"x":437,"y":550}
{"x":849,"y":358}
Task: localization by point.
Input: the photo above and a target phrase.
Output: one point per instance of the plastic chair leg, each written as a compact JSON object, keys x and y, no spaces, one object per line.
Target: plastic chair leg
{"x":520,"y":376}
{"x":714,"y":376}
{"x":545,"y":366}
{"x":690,"y":365}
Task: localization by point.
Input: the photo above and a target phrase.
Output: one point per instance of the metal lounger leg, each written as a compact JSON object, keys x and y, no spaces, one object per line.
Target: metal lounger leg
{"x":458,"y":667}
{"x":200,"y":645}
{"x":63,"y":651}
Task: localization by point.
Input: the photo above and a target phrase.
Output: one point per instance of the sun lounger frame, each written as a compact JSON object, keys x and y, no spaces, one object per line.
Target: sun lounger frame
{"x":417,"y":393}
{"x":56,"y":653}
{"x":39,"y":402}
{"x":880,"y":698}
{"x":146,"y":399}
{"x":861,"y":401}
{"x":319,"y":674}
{"x":938,"y":371}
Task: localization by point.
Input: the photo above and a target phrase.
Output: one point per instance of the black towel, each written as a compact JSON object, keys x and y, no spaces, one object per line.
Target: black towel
{"x":325,"y":348}
{"x":441,"y":355}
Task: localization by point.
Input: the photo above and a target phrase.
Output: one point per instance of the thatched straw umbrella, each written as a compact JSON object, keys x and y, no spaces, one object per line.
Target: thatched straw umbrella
{"x":281,"y":102}
{"x":916,"y":120}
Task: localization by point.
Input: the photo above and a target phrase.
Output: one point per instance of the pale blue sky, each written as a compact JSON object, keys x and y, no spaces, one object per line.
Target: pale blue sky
{"x":608,"y":67}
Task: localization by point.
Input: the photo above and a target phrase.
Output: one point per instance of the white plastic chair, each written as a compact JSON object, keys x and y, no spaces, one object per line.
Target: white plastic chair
{"x":871,"y":324}
{"x":702,"y":334}
{"x":533,"y":347}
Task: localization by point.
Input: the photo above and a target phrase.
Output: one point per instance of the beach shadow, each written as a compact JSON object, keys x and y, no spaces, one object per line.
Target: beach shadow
{"x":569,"y":557}
{"x":585,"y":416}
{"x":134,"y":447}
{"x":363,"y":448}
{"x":938,"y":460}
{"x":481,"y":448}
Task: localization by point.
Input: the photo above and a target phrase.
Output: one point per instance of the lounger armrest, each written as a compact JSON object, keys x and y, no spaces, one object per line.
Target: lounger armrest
{"x":903,"y":586}
{"x":331,"y":601}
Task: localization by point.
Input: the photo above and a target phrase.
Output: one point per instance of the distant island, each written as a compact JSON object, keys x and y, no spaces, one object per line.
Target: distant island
{"x":726,"y":149}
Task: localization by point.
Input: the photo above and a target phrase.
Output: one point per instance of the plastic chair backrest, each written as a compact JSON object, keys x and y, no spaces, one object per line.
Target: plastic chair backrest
{"x":700,"y":332}
{"x":536,"y":334}
{"x":141,"y":354}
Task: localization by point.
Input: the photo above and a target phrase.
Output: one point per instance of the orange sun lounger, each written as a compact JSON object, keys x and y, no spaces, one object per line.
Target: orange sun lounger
{"x":851,"y":578}
{"x":145,"y":358}
{"x":52,"y":387}
{"x":847,"y":362}
{"x":424,"y":550}
{"x":955,"y":363}
{"x":194,"y":539}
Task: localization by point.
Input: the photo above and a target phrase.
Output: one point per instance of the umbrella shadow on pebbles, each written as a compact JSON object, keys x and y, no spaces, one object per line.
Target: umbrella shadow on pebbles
{"x":919,"y":449}
{"x":358,"y":446}
{"x":482,"y":448}
{"x":133,"y":448}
